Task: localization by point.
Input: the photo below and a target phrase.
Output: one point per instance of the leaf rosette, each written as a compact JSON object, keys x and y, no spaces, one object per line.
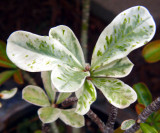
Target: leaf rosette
{"x":61,"y":53}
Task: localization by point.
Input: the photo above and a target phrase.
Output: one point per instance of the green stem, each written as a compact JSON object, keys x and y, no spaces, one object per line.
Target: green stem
{"x":84,"y":28}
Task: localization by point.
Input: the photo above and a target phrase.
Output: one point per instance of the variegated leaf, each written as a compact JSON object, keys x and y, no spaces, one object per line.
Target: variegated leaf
{"x":35,"y":95}
{"x":67,"y":38}
{"x":51,"y":91}
{"x":118,"y":68}
{"x":36,"y":53}
{"x":62,"y":96}
{"x":71,"y":118}
{"x":6,"y":94}
{"x":86,"y":96}
{"x":49,"y":114}
{"x":118,"y":94}
{"x":127,"y":124}
{"x":131,"y":29}
{"x":67,"y":79}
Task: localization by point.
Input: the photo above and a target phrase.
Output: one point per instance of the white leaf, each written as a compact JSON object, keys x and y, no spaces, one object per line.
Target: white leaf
{"x":62,"y":96}
{"x":35,"y":95}
{"x":46,"y":78}
{"x":6,"y":94}
{"x":67,"y":79}
{"x":71,"y":118}
{"x":86,"y":96}
{"x":118,"y":94}
{"x":67,"y":38}
{"x":131,"y":29}
{"x":127,"y":124}
{"x":49,"y":114}
{"x":36,"y":53}
{"x":118,"y":68}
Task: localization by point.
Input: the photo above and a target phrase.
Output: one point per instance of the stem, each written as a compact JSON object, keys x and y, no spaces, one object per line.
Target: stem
{"x":84,"y":28}
{"x":111,"y":120}
{"x":45,"y":128}
{"x":54,"y":127}
{"x":28,"y":78}
{"x":153,"y":107}
{"x":97,"y":120}
{"x":69,"y":101}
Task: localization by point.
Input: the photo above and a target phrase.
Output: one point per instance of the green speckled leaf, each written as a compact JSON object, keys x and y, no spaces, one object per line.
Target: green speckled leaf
{"x":86,"y":96}
{"x":49,"y":114}
{"x":6,"y":94}
{"x":147,"y":128}
{"x":118,"y":68}
{"x":127,"y":124}
{"x":67,"y":79}
{"x":131,"y":29}
{"x":67,"y":38}
{"x":62,"y":96}
{"x":118,"y":94}
{"x":71,"y":118}
{"x":36,"y":53}
{"x":35,"y":95}
{"x":51,"y":91}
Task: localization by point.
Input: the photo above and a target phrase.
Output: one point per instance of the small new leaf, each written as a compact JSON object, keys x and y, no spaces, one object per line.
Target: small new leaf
{"x":6,"y":94}
{"x":49,"y":114}
{"x":35,"y":95}
{"x":51,"y":91}
{"x":71,"y":118}
{"x":127,"y":124}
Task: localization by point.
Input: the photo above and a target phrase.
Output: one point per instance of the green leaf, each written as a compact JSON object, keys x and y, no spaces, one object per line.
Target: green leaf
{"x":36,"y":53}
{"x":143,"y":93}
{"x":6,"y":94}
{"x":51,"y":91}
{"x":118,"y":94}
{"x":151,"y":52}
{"x":4,"y":61}
{"x":86,"y":96}
{"x":18,"y":77}
{"x":118,"y":68}
{"x":67,"y":38}
{"x":49,"y":114}
{"x":4,"y":76}
{"x":131,"y":29}
{"x":67,"y":79}
{"x":71,"y":118}
{"x":127,"y":124}
{"x":147,"y":128}
{"x":35,"y":95}
{"x":62,"y":96}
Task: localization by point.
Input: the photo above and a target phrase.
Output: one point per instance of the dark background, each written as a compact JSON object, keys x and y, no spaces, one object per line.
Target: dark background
{"x":38,"y":16}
